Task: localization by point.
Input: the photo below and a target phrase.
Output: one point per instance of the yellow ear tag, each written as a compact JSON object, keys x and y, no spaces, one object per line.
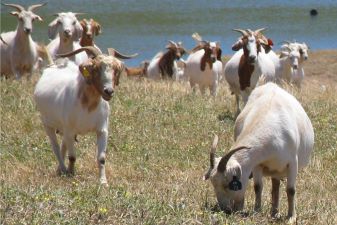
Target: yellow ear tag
{"x":86,"y":73}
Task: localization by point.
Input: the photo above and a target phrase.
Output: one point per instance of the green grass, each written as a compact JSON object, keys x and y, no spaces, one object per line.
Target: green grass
{"x":159,"y":137}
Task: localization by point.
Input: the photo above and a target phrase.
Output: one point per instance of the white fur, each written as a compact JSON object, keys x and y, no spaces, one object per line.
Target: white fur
{"x":262,"y":66}
{"x":279,"y":139}
{"x":209,"y":78}
{"x":57,"y":99}
{"x":19,"y":55}
{"x":60,"y":44}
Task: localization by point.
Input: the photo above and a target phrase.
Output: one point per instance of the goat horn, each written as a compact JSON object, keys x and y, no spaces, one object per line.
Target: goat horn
{"x":259,"y":30}
{"x":79,"y":14}
{"x":212,"y":152}
{"x":115,"y":53}
{"x":17,"y":6}
{"x":3,"y":41}
{"x":91,"y":49}
{"x":243,"y":32}
{"x":249,"y":31}
{"x":33,"y":7}
{"x":224,"y":160}
{"x":286,"y":42}
{"x":196,"y":36}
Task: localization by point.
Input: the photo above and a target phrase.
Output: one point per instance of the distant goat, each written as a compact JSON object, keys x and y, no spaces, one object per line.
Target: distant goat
{"x":90,"y":28}
{"x":273,"y":137}
{"x":74,"y":100}
{"x":301,"y":47}
{"x":292,"y":59}
{"x":137,"y":71}
{"x":18,"y":50}
{"x":65,"y":32}
{"x":245,"y":67}
{"x":204,"y":65}
{"x":164,"y":65}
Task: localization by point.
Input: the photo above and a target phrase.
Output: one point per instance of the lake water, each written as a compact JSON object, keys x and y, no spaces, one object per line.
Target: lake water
{"x":144,"y":26}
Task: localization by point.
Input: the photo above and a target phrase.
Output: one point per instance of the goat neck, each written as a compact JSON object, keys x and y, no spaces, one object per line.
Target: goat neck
{"x":166,"y":63}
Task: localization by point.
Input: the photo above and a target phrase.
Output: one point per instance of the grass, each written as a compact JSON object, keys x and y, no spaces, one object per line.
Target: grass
{"x":159,"y":137}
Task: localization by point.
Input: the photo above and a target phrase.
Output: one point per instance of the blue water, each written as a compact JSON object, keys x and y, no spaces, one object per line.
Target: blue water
{"x":144,"y":26}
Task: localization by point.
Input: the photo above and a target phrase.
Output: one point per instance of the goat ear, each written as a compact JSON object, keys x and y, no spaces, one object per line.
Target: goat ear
{"x":53,"y":28}
{"x":237,"y":46}
{"x":85,"y":71}
{"x":284,"y":54}
{"x":97,"y":28}
{"x":78,"y":31}
{"x":38,"y":18}
{"x":14,"y":13}
{"x":218,"y":56}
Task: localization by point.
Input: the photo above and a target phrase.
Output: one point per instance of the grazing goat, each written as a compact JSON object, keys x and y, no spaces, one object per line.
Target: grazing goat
{"x":74,"y":100}
{"x":204,"y":65}
{"x":245,"y":67}
{"x":273,"y":137}
{"x":90,"y":28}
{"x":137,"y":71}
{"x":164,"y":65}
{"x":65,"y":31}
{"x":18,"y":50}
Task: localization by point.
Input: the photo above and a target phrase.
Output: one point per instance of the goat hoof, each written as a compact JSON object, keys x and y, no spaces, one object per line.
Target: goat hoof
{"x":61,"y":171}
{"x":292,"y":220}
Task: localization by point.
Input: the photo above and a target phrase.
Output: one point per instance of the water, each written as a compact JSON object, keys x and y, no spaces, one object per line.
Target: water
{"x":145,"y":26}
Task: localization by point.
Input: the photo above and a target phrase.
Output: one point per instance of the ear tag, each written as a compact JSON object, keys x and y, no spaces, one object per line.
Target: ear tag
{"x":85,"y":73}
{"x":235,"y":184}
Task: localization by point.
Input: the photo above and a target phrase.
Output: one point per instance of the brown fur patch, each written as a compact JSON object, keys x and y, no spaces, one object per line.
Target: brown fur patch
{"x":166,"y":63}
{"x":245,"y":72}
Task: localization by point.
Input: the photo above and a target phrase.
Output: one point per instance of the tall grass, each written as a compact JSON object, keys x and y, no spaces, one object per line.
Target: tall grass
{"x":159,"y":137}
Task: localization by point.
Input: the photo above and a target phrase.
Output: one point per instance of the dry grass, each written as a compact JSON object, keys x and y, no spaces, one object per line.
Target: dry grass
{"x":159,"y":139}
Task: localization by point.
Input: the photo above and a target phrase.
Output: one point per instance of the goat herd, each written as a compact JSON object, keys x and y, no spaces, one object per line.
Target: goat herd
{"x":273,"y":134}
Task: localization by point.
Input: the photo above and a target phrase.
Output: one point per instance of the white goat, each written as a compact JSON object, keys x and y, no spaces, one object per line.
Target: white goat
{"x":301,"y":47}
{"x":73,"y":100}
{"x":245,"y":67}
{"x":273,"y":137}
{"x":292,"y":69}
{"x":292,"y":60}
{"x":66,"y":31}
{"x":18,"y":50}
{"x":204,"y":65}
{"x":164,"y":64}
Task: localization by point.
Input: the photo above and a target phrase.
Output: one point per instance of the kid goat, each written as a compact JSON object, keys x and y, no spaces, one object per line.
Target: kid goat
{"x":74,"y":100}
{"x":273,"y":137}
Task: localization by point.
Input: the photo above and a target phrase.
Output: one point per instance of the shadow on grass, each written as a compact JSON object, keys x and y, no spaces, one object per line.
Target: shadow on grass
{"x":226,"y":116}
{"x":216,"y":209}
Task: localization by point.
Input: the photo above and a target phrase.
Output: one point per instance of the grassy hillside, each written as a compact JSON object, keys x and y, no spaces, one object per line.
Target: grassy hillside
{"x":159,"y":137}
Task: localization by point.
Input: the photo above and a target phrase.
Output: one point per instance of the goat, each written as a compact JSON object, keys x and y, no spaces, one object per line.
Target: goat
{"x":273,"y":137}
{"x":74,"y":100}
{"x":90,"y":28}
{"x":204,"y":65}
{"x":65,"y":31}
{"x":164,"y":65}
{"x":137,"y":71}
{"x":245,"y":67}
{"x":301,"y":47}
{"x":292,"y":68}
{"x":18,"y":50}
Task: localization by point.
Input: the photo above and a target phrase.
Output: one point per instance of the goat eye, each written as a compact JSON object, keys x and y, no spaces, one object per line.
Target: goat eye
{"x":74,"y":22}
